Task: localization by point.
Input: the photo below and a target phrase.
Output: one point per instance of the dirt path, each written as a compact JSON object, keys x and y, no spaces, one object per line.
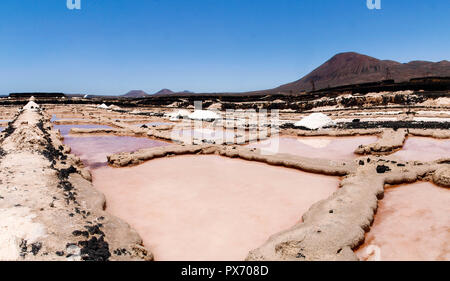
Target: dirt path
{"x":48,"y":210}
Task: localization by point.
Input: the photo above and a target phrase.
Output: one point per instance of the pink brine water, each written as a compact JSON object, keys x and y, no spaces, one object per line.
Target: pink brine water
{"x":424,"y":149}
{"x":412,"y":223}
{"x":333,"y":148}
{"x":209,"y":207}
{"x":94,"y":150}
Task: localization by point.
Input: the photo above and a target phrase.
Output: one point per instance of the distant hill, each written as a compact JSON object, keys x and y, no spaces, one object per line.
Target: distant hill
{"x":354,"y":68}
{"x":164,"y":92}
{"x":345,"y":69}
{"x":185,"y":92}
{"x":136,"y":94}
{"x":167,"y":92}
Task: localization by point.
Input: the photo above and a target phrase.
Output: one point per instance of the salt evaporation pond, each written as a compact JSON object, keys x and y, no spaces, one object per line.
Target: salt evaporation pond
{"x":412,"y":223}
{"x":94,"y":150}
{"x":424,"y":149}
{"x":333,"y":148}
{"x":209,"y":207}
{"x":200,"y":207}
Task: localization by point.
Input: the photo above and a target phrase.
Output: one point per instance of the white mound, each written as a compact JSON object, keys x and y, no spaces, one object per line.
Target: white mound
{"x":31,"y":105}
{"x":216,"y":105}
{"x":115,"y":107}
{"x":315,"y":121}
{"x":204,"y":115}
{"x":103,"y":106}
{"x":178,"y":114}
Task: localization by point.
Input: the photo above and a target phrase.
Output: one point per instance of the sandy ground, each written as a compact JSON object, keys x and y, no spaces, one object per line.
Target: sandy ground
{"x":334,"y":148}
{"x":48,"y":210}
{"x":209,"y":207}
{"x":412,"y":223}
{"x":424,"y":149}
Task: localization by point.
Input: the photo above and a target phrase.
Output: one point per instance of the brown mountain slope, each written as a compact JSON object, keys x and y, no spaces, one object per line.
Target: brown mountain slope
{"x":353,"y":68}
{"x":164,"y":92}
{"x":135,"y":94}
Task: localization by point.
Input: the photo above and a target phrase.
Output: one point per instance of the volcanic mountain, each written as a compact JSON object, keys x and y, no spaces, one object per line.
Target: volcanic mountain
{"x":164,"y":92}
{"x":354,"y":68}
{"x":136,"y":94}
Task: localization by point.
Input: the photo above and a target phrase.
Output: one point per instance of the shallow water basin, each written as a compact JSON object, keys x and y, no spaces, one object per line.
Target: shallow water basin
{"x":93,"y":151}
{"x":424,"y":149}
{"x":333,"y":148}
{"x":209,"y":207}
{"x":412,"y":224}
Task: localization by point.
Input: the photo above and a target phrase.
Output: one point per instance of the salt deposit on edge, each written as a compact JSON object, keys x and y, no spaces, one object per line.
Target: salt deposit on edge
{"x":31,"y":105}
{"x":315,"y":121}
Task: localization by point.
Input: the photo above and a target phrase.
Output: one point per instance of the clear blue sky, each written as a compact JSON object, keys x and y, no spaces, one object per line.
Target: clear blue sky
{"x":113,"y":46}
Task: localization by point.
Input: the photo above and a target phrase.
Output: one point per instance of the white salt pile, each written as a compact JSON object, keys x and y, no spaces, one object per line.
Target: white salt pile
{"x":204,"y":115}
{"x":103,"y":106}
{"x":115,"y":107}
{"x":31,"y":105}
{"x":315,"y":121}
{"x":174,"y":116}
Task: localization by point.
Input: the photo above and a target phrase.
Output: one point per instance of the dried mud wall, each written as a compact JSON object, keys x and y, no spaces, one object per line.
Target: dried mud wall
{"x":48,"y":207}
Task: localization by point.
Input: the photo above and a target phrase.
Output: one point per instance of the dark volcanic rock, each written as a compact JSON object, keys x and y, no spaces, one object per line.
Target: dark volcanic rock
{"x":381,"y":169}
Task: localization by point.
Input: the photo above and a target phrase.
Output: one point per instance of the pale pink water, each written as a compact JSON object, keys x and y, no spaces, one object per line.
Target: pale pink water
{"x":209,"y":207}
{"x":93,"y":151}
{"x":424,"y":149}
{"x":412,"y":223}
{"x":333,"y":148}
